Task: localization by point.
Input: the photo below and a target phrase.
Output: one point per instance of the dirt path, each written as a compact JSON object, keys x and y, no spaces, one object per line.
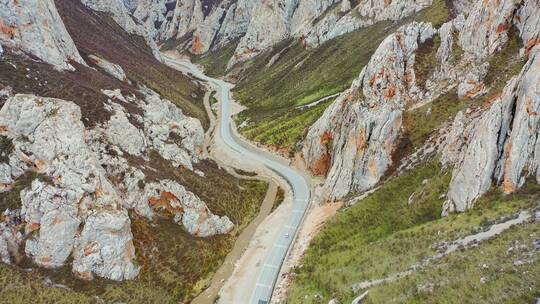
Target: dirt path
{"x":465,"y":242}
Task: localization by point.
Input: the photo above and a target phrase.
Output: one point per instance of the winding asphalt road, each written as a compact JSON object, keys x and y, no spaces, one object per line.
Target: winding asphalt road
{"x":301,"y":191}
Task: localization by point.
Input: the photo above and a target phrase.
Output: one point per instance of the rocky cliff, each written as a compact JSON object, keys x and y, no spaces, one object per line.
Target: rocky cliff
{"x":353,"y":142}
{"x":200,"y":26}
{"x":86,"y":166}
{"x":35,"y":27}
{"x":498,"y":144}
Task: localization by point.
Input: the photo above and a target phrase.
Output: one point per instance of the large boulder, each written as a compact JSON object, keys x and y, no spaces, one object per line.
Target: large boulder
{"x":353,"y":142}
{"x":500,"y":144}
{"x":35,"y":27}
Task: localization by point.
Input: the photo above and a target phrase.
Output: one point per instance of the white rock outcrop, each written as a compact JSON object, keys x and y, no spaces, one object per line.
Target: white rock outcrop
{"x":49,"y":210}
{"x":487,"y":27}
{"x":10,"y":240}
{"x":500,"y":144}
{"x":236,"y":22}
{"x":35,"y":27}
{"x":177,"y":138}
{"x":200,"y":26}
{"x":49,"y":138}
{"x":366,"y":13}
{"x":187,"y":208}
{"x":353,"y":142}
{"x":112,"y":69}
{"x":105,"y":247}
{"x":74,"y":208}
{"x":258,"y":37}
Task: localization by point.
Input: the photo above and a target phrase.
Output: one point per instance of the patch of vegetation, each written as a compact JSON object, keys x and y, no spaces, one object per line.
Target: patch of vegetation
{"x":426,"y":60}
{"x":457,"y":51}
{"x":98,"y":34}
{"x":422,"y":122}
{"x":337,"y":255}
{"x":6,"y":147}
{"x":280,"y":197}
{"x":213,"y":100}
{"x":301,"y":76}
{"x":438,"y":13}
{"x":334,"y":9}
{"x":83,"y":86}
{"x":12,"y":199}
{"x":287,"y":129}
{"x":506,"y":63}
{"x":384,"y":234}
{"x":215,"y":62}
{"x":176,"y":267}
{"x":20,"y":287}
{"x":244,"y":172}
{"x":483,"y":275}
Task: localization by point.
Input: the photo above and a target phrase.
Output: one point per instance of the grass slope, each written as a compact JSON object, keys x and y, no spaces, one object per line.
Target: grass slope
{"x":384,"y":234}
{"x":301,"y":76}
{"x":174,"y":265}
{"x":215,"y":62}
{"x":97,"y":33}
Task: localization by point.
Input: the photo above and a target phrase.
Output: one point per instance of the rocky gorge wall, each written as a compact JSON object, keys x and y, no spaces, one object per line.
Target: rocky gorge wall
{"x":353,"y":142}
{"x":84,"y":178}
{"x":200,"y":26}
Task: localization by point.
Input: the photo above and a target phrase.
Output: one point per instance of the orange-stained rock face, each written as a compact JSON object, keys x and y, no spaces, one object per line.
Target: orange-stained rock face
{"x":326,"y":138}
{"x":530,"y":109}
{"x":472,"y":93}
{"x":5,"y":187}
{"x":501,"y":28}
{"x":322,"y":165}
{"x":361,"y":143}
{"x":372,"y":167}
{"x":531,"y":44}
{"x":34,"y":227}
{"x":507,"y":185}
{"x":45,"y":260}
{"x":196,"y":46}
{"x":41,"y":165}
{"x":88,"y":250}
{"x":164,"y":202}
{"x":7,"y":31}
{"x":492,"y":99}
{"x":391,"y":92}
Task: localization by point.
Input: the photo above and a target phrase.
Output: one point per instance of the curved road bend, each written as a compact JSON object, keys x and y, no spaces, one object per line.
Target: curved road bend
{"x":301,"y":191}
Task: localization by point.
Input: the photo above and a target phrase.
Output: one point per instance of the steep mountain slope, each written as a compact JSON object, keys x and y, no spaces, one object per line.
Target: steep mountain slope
{"x":352,"y":162}
{"x":102,"y":178}
{"x":394,"y":246}
{"x":430,"y":106}
{"x":279,"y":83}
{"x":458,"y":89}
